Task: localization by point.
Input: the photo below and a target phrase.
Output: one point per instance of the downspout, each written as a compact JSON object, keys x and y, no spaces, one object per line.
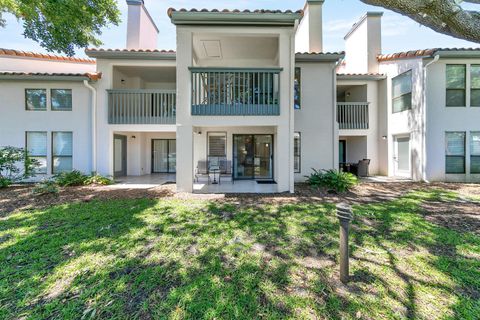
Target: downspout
{"x":335,"y":125}
{"x":94,"y":125}
{"x":424,"y":119}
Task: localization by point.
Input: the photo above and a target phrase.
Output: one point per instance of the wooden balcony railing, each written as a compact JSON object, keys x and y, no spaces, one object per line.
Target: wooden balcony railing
{"x":352,"y":115}
{"x":235,"y":91}
{"x":141,"y":106}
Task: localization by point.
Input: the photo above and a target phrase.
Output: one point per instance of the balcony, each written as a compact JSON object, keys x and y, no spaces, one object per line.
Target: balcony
{"x":352,"y":115}
{"x":235,"y":92}
{"x":141,"y":106}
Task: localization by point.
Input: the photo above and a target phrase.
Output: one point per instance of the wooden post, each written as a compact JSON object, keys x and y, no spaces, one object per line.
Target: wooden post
{"x":344,"y":215}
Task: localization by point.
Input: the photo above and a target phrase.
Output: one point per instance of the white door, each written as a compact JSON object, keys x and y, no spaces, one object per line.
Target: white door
{"x":402,"y":163}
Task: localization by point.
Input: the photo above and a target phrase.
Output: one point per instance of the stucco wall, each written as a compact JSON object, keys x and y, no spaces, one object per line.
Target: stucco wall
{"x":15,"y":120}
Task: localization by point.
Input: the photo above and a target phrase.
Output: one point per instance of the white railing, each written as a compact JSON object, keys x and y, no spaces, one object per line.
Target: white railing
{"x":352,"y":115}
{"x":141,"y":106}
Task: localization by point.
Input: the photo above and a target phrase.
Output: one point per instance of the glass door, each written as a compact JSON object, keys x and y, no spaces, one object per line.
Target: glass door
{"x":164,"y":156}
{"x":252,"y":156}
{"x":402,"y":157}
{"x":119,"y":156}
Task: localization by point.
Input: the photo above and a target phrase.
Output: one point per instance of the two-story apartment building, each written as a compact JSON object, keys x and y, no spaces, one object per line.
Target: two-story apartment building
{"x":247,"y":97}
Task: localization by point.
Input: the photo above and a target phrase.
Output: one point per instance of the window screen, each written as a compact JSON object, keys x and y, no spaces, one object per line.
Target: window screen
{"x":297,"y":145}
{"x":456,"y":84}
{"x":455,"y":152}
{"x":62,"y":151}
{"x":61,"y":99}
{"x":36,"y":145}
{"x":475,"y":152}
{"x":475,"y":85}
{"x":402,"y":92}
{"x":36,"y":99}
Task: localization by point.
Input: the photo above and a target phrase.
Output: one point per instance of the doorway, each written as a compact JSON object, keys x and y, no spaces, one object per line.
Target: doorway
{"x":402,"y":156}
{"x":342,"y":151}
{"x":164,"y":156}
{"x":119,"y":155}
{"x":253,"y":156}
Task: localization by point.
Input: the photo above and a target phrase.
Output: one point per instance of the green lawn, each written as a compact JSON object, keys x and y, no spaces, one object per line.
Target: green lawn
{"x":174,"y":259}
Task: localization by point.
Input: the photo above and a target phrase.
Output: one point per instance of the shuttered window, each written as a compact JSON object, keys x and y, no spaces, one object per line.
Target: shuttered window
{"x":297,"y":148}
{"x":61,"y":99}
{"x":455,"y":152}
{"x":402,"y":92}
{"x":36,"y":99}
{"x":217,"y":144}
{"x":62,"y":152}
{"x":36,"y":145}
{"x":456,"y":85}
{"x":475,"y":152}
{"x":475,"y":85}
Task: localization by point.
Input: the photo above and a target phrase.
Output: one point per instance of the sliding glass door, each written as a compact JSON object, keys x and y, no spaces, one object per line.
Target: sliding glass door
{"x":164,"y":156}
{"x":253,"y":156}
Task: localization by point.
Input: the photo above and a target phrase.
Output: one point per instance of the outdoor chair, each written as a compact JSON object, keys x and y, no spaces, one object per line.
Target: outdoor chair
{"x":225,"y":170}
{"x":362,"y":169}
{"x":202,"y":170}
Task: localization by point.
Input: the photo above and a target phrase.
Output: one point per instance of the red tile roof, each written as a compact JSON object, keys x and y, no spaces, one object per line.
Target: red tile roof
{"x":91,"y":75}
{"x":19,"y":53}
{"x":128,"y":50}
{"x":170,"y":11}
{"x":419,"y":53}
{"x":320,"y":53}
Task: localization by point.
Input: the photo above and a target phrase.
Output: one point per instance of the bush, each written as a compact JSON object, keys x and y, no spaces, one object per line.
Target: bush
{"x":99,"y":180}
{"x":333,"y":180}
{"x":72,"y":178}
{"x":45,"y":187}
{"x":15,"y":165}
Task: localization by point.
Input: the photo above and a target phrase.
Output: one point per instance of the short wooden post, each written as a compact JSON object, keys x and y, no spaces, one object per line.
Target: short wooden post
{"x":344,"y":215}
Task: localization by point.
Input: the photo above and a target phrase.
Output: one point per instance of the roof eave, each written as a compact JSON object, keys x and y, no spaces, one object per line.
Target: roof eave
{"x":234,"y":18}
{"x":324,"y":57}
{"x":361,"y":77}
{"x":26,"y":77}
{"x":457,"y":54}
{"x":131,"y":55}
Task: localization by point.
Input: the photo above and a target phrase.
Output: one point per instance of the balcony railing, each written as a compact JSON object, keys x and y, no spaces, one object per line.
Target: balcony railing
{"x":352,"y":115}
{"x":141,"y":106}
{"x":235,"y":91}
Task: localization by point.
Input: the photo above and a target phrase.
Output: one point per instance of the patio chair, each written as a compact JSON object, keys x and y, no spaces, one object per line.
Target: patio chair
{"x":225,"y":170}
{"x":202,"y":170}
{"x":362,"y":169}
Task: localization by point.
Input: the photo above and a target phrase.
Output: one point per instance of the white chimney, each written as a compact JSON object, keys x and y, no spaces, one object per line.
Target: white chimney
{"x":309,"y":37}
{"x":363,"y":43}
{"x":142,"y":32}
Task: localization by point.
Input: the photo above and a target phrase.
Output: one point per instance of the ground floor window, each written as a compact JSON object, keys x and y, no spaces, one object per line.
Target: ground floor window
{"x":455,"y":152}
{"x":62,"y":151}
{"x":297,"y":147}
{"x":36,"y":145}
{"x":475,"y":152}
{"x":217,"y":144}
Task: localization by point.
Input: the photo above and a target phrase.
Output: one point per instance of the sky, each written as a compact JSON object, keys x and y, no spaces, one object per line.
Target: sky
{"x":399,"y":33}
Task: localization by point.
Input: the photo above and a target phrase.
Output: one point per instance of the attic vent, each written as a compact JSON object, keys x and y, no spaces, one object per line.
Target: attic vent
{"x":212,"y":48}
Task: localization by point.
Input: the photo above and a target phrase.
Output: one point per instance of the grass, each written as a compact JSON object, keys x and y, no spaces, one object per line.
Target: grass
{"x":168,"y":259}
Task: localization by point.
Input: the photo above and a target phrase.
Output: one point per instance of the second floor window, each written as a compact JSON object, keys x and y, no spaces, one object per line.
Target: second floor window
{"x":475,"y":85}
{"x":61,"y":99}
{"x":36,"y":99}
{"x":455,"y":152}
{"x":402,"y":92}
{"x":456,"y":85}
{"x":297,"y":85}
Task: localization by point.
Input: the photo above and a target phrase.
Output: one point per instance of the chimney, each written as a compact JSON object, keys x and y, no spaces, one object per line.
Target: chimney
{"x":309,"y":37}
{"x":363,"y":43}
{"x":142,"y":32}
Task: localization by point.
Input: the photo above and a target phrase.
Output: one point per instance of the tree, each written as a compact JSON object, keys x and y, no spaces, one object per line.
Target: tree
{"x":444,"y":16}
{"x":15,"y":165}
{"x":62,"y":25}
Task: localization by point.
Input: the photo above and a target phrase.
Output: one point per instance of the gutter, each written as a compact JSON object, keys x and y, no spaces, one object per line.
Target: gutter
{"x":424,"y":121}
{"x":94,"y":124}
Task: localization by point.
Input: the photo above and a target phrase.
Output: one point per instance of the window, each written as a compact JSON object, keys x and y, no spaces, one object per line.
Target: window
{"x":217,"y":144}
{"x":36,"y":99}
{"x":36,"y":145}
{"x":455,"y":152}
{"x":62,"y":151}
{"x":402,"y":92}
{"x":456,"y":85}
{"x":297,"y":146}
{"x":475,"y":152}
{"x":297,"y":85}
{"x":61,"y":99}
{"x":475,"y":85}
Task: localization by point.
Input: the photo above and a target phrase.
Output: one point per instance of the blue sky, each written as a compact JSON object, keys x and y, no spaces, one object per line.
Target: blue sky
{"x":399,"y":33}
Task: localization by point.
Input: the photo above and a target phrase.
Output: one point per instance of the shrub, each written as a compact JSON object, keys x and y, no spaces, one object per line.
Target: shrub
{"x":333,"y":180}
{"x":98,"y":179}
{"x":15,"y":165}
{"x":72,"y":178}
{"x":45,"y":187}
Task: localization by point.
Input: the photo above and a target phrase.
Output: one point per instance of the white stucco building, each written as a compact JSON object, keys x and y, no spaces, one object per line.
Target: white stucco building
{"x":248,"y":98}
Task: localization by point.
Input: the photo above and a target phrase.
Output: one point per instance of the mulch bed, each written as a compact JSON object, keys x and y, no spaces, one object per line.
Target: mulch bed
{"x":461,"y":215}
